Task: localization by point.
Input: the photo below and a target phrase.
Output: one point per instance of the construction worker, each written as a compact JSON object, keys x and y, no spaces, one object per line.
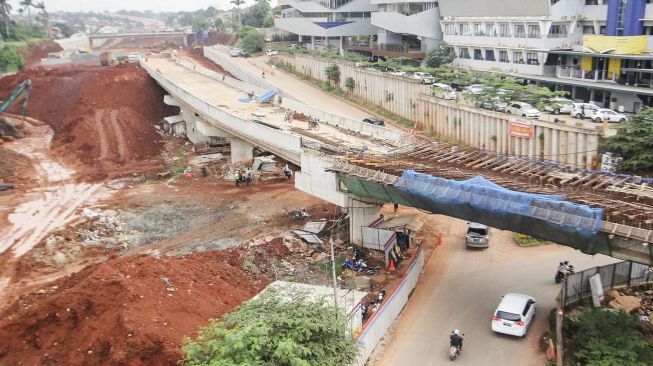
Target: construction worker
{"x":237,"y":177}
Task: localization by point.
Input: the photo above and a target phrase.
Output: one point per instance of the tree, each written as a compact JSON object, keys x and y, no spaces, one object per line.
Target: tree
{"x":218,"y":24}
{"x":238,"y":3}
{"x":333,"y":74}
{"x":211,"y":11}
{"x":43,"y":15}
{"x":5,"y":9}
{"x":350,"y":84}
{"x":253,"y":41}
{"x":634,"y":143}
{"x":274,"y":328}
{"x":10,"y":59}
{"x":28,"y":5}
{"x":440,"y":55}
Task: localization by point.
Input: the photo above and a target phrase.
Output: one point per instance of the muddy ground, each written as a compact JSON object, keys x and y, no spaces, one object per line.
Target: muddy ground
{"x":110,"y":256}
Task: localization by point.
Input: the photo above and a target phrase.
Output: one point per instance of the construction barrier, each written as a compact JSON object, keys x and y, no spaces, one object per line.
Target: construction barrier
{"x":378,"y":324}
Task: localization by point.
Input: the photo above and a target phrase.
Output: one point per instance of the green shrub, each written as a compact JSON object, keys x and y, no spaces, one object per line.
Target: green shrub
{"x":601,"y":337}
{"x":10,"y":59}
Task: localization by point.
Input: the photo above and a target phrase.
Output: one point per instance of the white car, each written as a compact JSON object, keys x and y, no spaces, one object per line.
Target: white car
{"x":523,"y":109}
{"x":514,"y":314}
{"x":604,"y":114}
{"x":424,"y":77}
{"x":234,"y":52}
{"x":271,"y":52}
{"x":134,"y":57}
{"x":398,"y":73}
{"x":560,"y":106}
{"x":583,"y":110}
{"x":475,"y":89}
{"x":444,"y":91}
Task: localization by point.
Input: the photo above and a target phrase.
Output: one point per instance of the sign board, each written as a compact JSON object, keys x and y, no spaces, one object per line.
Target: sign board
{"x":521,"y":128}
{"x":609,"y":162}
{"x":598,"y":298}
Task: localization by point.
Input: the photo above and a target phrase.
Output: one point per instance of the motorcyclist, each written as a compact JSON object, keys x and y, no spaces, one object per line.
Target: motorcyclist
{"x":456,"y":339}
{"x":287,"y":172}
{"x":562,"y":268}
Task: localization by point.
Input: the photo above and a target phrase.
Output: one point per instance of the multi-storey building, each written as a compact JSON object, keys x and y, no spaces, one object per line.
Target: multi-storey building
{"x":598,"y":50}
{"x":326,"y":22}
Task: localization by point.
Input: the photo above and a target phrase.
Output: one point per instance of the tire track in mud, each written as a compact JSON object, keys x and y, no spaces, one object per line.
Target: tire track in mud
{"x":122,"y":148}
{"x":102,"y":136}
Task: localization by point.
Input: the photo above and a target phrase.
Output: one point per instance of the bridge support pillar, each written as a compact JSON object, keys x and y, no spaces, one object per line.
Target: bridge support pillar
{"x":360,"y":214}
{"x":241,"y":150}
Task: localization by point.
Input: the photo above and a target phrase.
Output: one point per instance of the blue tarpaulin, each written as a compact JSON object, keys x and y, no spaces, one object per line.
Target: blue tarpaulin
{"x":327,"y":25}
{"x":267,"y":96}
{"x":479,"y":200}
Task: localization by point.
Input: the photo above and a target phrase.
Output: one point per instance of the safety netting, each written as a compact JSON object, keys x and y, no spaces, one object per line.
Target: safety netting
{"x":548,"y":217}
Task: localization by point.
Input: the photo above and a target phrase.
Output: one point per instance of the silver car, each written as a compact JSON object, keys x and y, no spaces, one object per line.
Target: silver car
{"x":477,"y":236}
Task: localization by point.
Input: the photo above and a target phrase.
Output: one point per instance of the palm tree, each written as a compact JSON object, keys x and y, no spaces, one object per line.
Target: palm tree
{"x":28,"y":4}
{"x":238,"y":3}
{"x":5,"y":10}
{"x":43,"y":14}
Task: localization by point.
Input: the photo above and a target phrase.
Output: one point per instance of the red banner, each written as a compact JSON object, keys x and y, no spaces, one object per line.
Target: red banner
{"x":521,"y":128}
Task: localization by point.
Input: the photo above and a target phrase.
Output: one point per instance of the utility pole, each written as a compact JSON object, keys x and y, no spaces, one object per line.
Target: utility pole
{"x":333,"y":272}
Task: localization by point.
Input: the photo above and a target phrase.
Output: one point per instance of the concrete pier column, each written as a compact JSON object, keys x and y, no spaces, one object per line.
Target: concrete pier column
{"x":241,"y":150}
{"x":313,"y":43}
{"x":360,"y":214}
{"x":342,"y":46}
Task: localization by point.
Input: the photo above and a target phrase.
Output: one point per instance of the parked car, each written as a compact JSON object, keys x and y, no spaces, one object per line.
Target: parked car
{"x":583,"y":110}
{"x":604,"y":114}
{"x":374,"y":121}
{"x":559,"y":106}
{"x":523,"y":109}
{"x":478,"y":236}
{"x":244,"y":54}
{"x":475,"y":89}
{"x":271,"y":52}
{"x":443,"y":91}
{"x":495,"y":104}
{"x":424,"y":77}
{"x":134,"y":57}
{"x":398,"y":73}
{"x":514,"y":314}
{"x":294,"y":45}
{"x":234,"y":52}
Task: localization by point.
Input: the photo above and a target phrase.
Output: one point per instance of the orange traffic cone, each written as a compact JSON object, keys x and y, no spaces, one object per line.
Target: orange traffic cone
{"x":392,"y":265}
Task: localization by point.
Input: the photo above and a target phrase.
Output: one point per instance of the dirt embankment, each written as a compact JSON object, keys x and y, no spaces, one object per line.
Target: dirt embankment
{"x":102,"y":117}
{"x":131,"y":310}
{"x":34,"y":52}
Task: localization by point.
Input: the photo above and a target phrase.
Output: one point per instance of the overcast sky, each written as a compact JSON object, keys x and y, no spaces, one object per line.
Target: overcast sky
{"x":115,"y":5}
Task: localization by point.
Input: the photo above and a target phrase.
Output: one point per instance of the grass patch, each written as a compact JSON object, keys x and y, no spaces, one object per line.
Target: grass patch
{"x":528,"y":241}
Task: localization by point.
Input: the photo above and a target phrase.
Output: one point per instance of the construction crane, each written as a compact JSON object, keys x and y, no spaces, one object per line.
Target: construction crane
{"x":22,"y":89}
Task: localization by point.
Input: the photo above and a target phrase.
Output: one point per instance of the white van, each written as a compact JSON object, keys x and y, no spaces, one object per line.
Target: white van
{"x":134,"y":57}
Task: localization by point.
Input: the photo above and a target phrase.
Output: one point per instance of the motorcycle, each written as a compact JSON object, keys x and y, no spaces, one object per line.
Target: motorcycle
{"x":454,"y":352}
{"x":301,"y":215}
{"x":563,"y":275}
{"x":359,"y":266}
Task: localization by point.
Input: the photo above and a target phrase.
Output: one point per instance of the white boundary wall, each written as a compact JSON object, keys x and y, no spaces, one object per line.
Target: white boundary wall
{"x":480,"y":128}
{"x":377,"y":325}
{"x":217,"y":55}
{"x":285,"y":145}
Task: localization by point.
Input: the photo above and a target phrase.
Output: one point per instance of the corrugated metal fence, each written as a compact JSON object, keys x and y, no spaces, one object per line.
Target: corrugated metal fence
{"x":377,"y":325}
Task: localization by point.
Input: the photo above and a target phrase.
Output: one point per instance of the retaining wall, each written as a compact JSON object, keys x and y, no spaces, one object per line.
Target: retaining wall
{"x":480,"y":128}
{"x":377,"y":325}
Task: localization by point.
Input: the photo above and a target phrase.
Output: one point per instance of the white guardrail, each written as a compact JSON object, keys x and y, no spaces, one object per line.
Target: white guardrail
{"x":278,"y":142}
{"x":379,"y":323}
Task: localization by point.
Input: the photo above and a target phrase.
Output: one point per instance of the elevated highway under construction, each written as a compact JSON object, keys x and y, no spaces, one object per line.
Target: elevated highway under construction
{"x":359,"y":167}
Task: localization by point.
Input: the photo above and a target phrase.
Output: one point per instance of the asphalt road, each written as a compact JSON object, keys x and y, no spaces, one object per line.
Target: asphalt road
{"x":463,"y":290}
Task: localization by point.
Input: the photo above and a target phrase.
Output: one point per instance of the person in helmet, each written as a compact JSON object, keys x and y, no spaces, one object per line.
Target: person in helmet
{"x":456,"y":339}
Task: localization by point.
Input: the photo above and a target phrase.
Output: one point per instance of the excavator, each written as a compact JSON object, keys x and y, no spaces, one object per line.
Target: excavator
{"x":22,"y":89}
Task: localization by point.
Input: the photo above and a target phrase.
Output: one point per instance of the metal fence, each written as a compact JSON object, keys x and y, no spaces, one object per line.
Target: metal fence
{"x":627,"y":273}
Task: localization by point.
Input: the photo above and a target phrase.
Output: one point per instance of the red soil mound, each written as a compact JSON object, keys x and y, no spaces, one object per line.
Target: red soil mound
{"x":102,"y":117}
{"x":34,"y":52}
{"x":122,"y":312}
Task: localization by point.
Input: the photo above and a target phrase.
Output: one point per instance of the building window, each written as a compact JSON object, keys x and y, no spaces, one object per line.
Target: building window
{"x":463,"y":53}
{"x":518,"y":57}
{"x":591,"y":2}
{"x":465,"y":30}
{"x":504,"y":30}
{"x":478,"y":54}
{"x":489,"y":30}
{"x":602,"y":29}
{"x":531,"y":58}
{"x":558,"y":31}
{"x":503,"y":56}
{"x":450,"y":29}
{"x":489,"y":55}
{"x":520,"y":31}
{"x":533,"y":31}
{"x":478,"y":29}
{"x":588,"y":29}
